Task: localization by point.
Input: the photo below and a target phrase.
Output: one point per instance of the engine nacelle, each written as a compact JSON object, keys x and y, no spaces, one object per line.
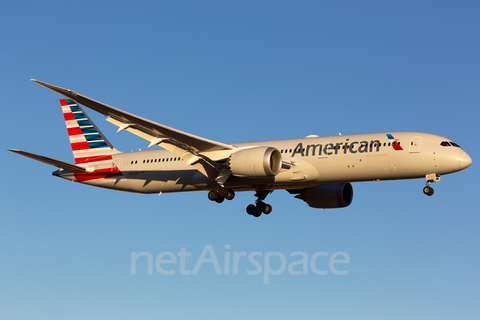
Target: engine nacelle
{"x":328,"y":196}
{"x":256,"y":162}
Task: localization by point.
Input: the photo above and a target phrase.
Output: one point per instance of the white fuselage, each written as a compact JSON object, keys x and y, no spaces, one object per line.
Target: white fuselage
{"x":315,"y":161}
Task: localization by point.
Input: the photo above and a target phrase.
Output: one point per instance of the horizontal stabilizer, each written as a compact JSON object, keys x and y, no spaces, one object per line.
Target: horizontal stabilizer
{"x":50,"y":161}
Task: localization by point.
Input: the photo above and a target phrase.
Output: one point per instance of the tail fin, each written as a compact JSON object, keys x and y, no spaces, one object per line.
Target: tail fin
{"x":88,"y":143}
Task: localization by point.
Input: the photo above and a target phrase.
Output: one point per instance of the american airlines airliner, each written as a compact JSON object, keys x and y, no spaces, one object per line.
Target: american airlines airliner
{"x":318,"y":170}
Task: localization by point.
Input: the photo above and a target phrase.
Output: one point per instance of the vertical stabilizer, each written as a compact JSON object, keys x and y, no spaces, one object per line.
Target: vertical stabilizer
{"x":88,"y":143}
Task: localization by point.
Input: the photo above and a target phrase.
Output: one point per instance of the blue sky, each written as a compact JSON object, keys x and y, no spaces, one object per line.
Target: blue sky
{"x":239,"y":71}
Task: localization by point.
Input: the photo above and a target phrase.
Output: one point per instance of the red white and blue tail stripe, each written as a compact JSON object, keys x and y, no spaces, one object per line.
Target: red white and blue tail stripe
{"x":88,"y":143}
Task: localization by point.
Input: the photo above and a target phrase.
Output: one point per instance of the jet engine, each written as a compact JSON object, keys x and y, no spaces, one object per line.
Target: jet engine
{"x":255,"y":162}
{"x":328,"y":196}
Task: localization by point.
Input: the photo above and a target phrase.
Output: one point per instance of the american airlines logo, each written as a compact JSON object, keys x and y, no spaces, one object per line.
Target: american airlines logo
{"x":395,"y":144}
{"x":344,"y":147}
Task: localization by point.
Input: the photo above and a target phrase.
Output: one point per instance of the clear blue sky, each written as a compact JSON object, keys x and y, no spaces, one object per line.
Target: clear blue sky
{"x":239,"y":71}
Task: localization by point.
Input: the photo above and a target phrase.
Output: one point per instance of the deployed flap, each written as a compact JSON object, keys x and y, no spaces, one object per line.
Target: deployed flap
{"x":50,"y":161}
{"x":181,"y":139}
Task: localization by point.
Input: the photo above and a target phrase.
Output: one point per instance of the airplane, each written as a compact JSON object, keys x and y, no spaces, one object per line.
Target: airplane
{"x":317,"y":170}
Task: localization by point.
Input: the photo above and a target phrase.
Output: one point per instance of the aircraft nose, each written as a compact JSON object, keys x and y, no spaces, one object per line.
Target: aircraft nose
{"x":465,"y":160}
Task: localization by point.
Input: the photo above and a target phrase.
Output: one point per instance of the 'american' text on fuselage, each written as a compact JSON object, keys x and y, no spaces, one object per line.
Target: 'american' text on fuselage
{"x":330,"y":148}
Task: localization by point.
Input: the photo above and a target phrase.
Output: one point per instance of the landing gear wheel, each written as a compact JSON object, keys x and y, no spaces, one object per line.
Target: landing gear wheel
{"x":428,"y":190}
{"x":260,"y":207}
{"x":213,"y":195}
{"x":257,"y":213}
{"x":223,"y":192}
{"x":219,"y":200}
{"x":230,"y":195}
{"x":251,"y":209}
{"x":267,"y":209}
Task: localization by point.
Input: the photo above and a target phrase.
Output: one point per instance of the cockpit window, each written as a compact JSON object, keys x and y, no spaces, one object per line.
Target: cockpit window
{"x":449,"y":144}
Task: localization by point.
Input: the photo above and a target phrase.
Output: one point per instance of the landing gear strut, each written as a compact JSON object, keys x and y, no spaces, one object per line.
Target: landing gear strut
{"x":430,"y":179}
{"x":260,"y":206}
{"x":221,"y":194}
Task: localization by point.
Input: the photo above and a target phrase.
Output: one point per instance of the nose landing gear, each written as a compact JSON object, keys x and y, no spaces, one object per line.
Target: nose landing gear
{"x":431,"y":178}
{"x":260,"y":206}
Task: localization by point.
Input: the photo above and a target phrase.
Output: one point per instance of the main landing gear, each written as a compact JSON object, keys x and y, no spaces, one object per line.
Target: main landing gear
{"x":260,"y":207}
{"x":430,"y":179}
{"x":255,"y":210}
{"x":220,"y":195}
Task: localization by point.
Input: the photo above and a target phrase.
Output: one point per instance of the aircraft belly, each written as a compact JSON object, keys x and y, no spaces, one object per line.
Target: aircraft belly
{"x":149,"y":181}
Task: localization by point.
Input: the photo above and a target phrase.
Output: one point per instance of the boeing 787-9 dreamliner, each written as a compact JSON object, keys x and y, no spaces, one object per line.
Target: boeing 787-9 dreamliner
{"x":318,"y":170}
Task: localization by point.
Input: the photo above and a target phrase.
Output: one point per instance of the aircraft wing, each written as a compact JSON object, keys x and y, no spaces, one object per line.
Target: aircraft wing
{"x":151,"y":128}
{"x":50,"y":161}
{"x":197,"y":151}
